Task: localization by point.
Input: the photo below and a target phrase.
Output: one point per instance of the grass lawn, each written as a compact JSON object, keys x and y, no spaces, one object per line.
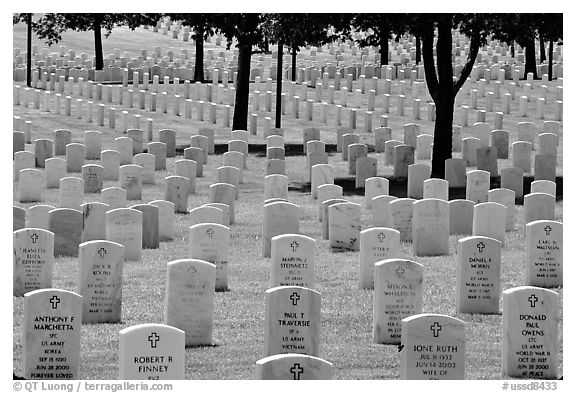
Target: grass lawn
{"x":346,"y":331}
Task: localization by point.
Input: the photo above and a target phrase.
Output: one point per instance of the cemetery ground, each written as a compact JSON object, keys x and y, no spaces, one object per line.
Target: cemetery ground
{"x":346,"y":312}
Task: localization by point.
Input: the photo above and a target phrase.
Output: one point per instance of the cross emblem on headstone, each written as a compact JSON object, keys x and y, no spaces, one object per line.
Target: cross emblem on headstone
{"x":381,"y":237}
{"x":34,"y":237}
{"x":294,"y":297}
{"x":481,"y":246}
{"x":54,"y":301}
{"x":210,"y":232}
{"x":547,"y":229}
{"x":399,"y":271}
{"x":436,"y":327}
{"x":102,"y":252}
{"x":294,"y":245}
{"x":296,"y":370}
{"x":153,"y":339}
{"x":533,"y":299}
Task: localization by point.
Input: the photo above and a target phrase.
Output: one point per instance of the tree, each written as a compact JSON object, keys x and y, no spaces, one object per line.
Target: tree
{"x":27,"y":18}
{"x":379,"y":29}
{"x":203,"y":27}
{"x":246,"y":30}
{"x":439,"y":79}
{"x":550,"y":28}
{"x":298,"y":30}
{"x":51,"y":26}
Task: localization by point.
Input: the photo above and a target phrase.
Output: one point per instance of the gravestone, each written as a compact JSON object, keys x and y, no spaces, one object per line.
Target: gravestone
{"x":344,"y":226}
{"x":402,"y":217}
{"x":124,"y":226}
{"x":18,"y":218}
{"x":366,"y":167}
{"x":33,"y":260}
{"x":38,"y":216}
{"x":490,"y":220}
{"x":292,"y":261}
{"x":522,"y":156}
{"x":469,"y":147}
{"x":30,"y":185}
{"x":505,"y":197}
{"x":206,"y":214}
{"x":114,"y":197}
{"x":477,"y":186}
{"x":230,"y":175}
{"x":201,"y":142}
{"x":539,"y":206}
{"x":275,"y":186}
{"x":239,"y":146}
{"x":545,"y":186}
{"x":71,"y":192}
{"x":197,"y":155}
{"x":148,"y":163}
{"x":397,"y":294}
{"x":499,"y":141}
{"x":512,"y":178}
{"x":382,"y":211}
{"x":545,"y":167}
{"x":137,"y":137}
{"x":210,"y":242}
{"x":355,"y":151}
{"x":478,"y":275}
{"x":292,"y":321}
{"x":150,"y":225}
{"x":159,"y":151}
{"x":436,"y":188}
{"x":130,"y":179}
{"x":529,"y":333}
{"x":151,"y":351}
{"x":321,"y":174}
{"x":430,"y":227}
{"x":434,"y":347}
{"x":124,"y":146}
{"x":18,"y":142}
{"x":279,"y":218}
{"x":417,"y":175}
{"x":110,"y":162}
{"x":275,"y":166}
{"x":51,"y":334}
{"x":224,"y":193}
{"x":208,"y":133}
{"x":482,"y":131}
{"x":62,"y":137}
{"x":293,"y":366}
{"x":187,"y":169}
{"x":168,"y":137}
{"x":93,"y":144}
{"x":236,"y":159}
{"x":543,"y":253}
{"x":75,"y":154}
{"x":275,"y":153}
{"x":189,"y":303}
{"x":100,"y":265}
{"x":373,"y":187}
{"x":43,"y":149}
{"x":389,"y":147}
{"x":166,"y":219}
{"x":225,"y":212}
{"x":55,"y":170}
{"x":403,"y":157}
{"x":487,"y":160}
{"x":348,"y":139}
{"x":66,"y":225}
{"x":325,"y":192}
{"x":455,"y":172}
{"x":376,"y":244}
{"x":93,"y":176}
{"x":548,"y":144}
{"x":94,"y":221}
{"x":411,"y":132}
{"x":23,"y":160}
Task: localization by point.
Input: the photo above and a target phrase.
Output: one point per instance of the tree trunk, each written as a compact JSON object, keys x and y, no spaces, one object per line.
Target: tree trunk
{"x":418,"y":51}
{"x":444,"y":100}
{"x":294,"y":64}
{"x":542,"y":51}
{"x":279,"y":75}
{"x":98,"y":44}
{"x":512,"y":50}
{"x":383,"y":48}
{"x":199,"y":62}
{"x":240,"y":121}
{"x":550,"y":56}
{"x":530,"y":60}
{"x":29,"y":51}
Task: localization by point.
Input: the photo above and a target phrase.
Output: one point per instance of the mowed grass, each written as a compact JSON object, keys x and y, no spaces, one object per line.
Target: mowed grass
{"x":346,"y":331}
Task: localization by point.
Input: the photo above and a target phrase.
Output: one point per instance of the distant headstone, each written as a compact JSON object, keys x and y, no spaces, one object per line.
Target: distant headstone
{"x":110,"y":161}
{"x":325,"y":192}
{"x":71,"y":192}
{"x":30,"y":185}
{"x":123,"y":145}
{"x":62,"y":137}
{"x":539,"y":206}
{"x":545,"y":167}
{"x":43,"y":149}
{"x":374,"y":186}
{"x":490,"y":220}
{"x":478,"y":275}
{"x":100,"y":265}
{"x":455,"y":172}
{"x":543,"y":253}
{"x":51,"y":334}
{"x":461,"y":212}
{"x":402,"y":217}
{"x":275,"y":186}
{"x":151,"y":351}
{"x":403,"y":157}
{"x":168,"y":137}
{"x":189,"y":303}
{"x":487,"y":160}
{"x":376,"y":244}
{"x":430,"y":227}
{"x":131,"y":180}
{"x":75,"y":154}
{"x":505,"y":197}
{"x":530,"y":333}
{"x":477,"y":186}
{"x":279,"y":218}
{"x":344,"y":226}
{"x":206,"y":214}
{"x":397,"y":294}
{"x":292,"y":321}
{"x":93,"y":144}
{"x":150,"y":225}
{"x":436,"y":188}
{"x":434,"y":347}
{"x":210,"y":242}
{"x":224,"y":193}
{"x":166,"y":219}
{"x":38,"y":216}
{"x":94,"y":221}
{"x":321,"y":174}
{"x":148,"y":163}
{"x":293,"y":366}
{"x":66,"y":225}
{"x":159,"y":151}
{"x":124,"y":226}
{"x":545,"y":186}
{"x":115,"y":197}
{"x":93,"y":176}
{"x":33,"y":260}
{"x":512,"y":178}
{"x":292,"y":261}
